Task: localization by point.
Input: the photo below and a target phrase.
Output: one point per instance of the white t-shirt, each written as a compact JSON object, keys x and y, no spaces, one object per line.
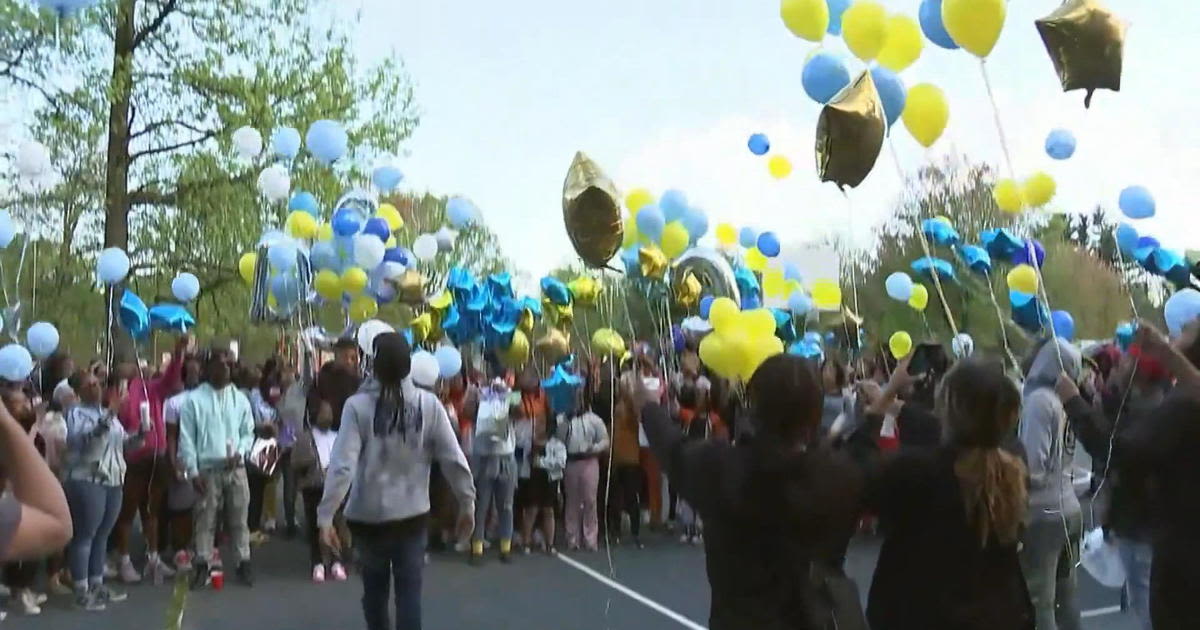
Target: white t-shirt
{"x":173,"y":407}
{"x":324,"y":441}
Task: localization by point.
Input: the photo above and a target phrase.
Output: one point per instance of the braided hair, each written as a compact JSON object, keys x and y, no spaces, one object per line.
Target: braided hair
{"x":392,"y":363}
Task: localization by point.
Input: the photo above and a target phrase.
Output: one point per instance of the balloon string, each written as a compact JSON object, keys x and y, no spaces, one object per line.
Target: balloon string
{"x":1125,"y":281}
{"x":854,"y":288}
{"x":987,"y":83}
{"x":1001,"y":321}
{"x":853,"y":276}
{"x":937,"y":280}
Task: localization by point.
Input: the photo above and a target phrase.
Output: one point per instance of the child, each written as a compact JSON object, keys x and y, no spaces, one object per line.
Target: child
{"x":310,"y":460}
{"x":698,"y":423}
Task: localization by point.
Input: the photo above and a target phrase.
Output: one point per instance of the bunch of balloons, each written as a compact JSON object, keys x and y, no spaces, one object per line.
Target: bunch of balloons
{"x":668,"y":226}
{"x":740,"y":341}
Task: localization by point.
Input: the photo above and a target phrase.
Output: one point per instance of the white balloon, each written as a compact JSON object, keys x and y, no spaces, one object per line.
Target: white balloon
{"x":425,"y":248}
{"x":248,"y":142}
{"x":392,"y":269}
{"x":42,"y":339}
{"x":962,"y":345}
{"x":113,"y":265}
{"x":16,"y":363}
{"x":33,"y":159}
{"x":368,"y":251}
{"x":275,"y":183}
{"x":445,"y":239}
{"x":425,"y":369}
{"x":368,"y":331}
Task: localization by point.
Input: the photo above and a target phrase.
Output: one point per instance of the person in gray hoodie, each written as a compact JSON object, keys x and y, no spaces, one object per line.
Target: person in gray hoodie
{"x":391,"y":432}
{"x":1055,"y":525}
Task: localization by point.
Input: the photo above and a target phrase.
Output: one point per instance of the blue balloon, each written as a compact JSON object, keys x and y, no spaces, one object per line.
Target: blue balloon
{"x":674,"y":205}
{"x":940,"y":232}
{"x":768,"y":244}
{"x":976,"y":258}
{"x":696,"y":222}
{"x":1137,"y":202}
{"x":460,"y":212}
{"x":706,"y":305}
{"x":928,"y":266}
{"x":449,"y":361}
{"x":758,"y":144}
{"x":286,"y":289}
{"x":42,"y":339}
{"x":785,"y":328}
{"x":185,"y":287}
{"x":386,"y":178}
{"x":930,"y":16}
{"x":1127,"y":238}
{"x":327,"y":141}
{"x":1001,"y":243}
{"x":346,"y":222}
{"x":171,"y":317}
{"x":747,"y":284}
{"x":1148,"y":242}
{"x":791,"y":271}
{"x":8,"y":229}
{"x":112,"y":266}
{"x":1064,"y":325}
{"x":807,"y":349}
{"x":1028,"y":312}
{"x":1124,"y":335}
{"x":892,"y":93}
{"x":305,"y":202}
{"x":650,"y":222}
{"x":824,"y":75}
{"x":629,"y":256}
{"x":899,"y":286}
{"x":282,"y":255}
{"x":398,"y":255}
{"x":799,"y":303}
{"x":285,"y":142}
{"x":15,"y":363}
{"x":748,"y":237}
{"x":324,"y":256}
{"x":378,"y":227}
{"x":556,"y":291}
{"x":836,"y":9}
{"x":1023,"y":256}
{"x":1060,"y":144}
{"x":1181,"y":309}
{"x":134,"y":316}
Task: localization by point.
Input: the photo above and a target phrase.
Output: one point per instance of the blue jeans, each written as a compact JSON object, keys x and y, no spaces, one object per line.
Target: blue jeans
{"x":391,"y":552}
{"x":495,"y":485}
{"x":94,"y":510}
{"x":1137,"y":556}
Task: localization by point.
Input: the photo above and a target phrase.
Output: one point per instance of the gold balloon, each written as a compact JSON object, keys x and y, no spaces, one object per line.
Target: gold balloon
{"x":554,"y":345}
{"x":556,"y":315}
{"x":410,"y":287}
{"x":441,"y":301}
{"x":592,"y":212}
{"x":517,"y":352}
{"x":652,"y":261}
{"x":584,"y":290}
{"x":525,"y":322}
{"x":421,"y":326}
{"x":850,"y":134}
{"x":608,"y":341}
{"x":687,"y":289}
{"x":1086,"y":43}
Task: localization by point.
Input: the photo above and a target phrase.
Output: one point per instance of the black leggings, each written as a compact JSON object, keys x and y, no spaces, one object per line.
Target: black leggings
{"x":257,"y":483}
{"x":627,"y":484}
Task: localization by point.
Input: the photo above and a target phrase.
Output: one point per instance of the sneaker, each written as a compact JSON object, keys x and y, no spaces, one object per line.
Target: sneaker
{"x":106,"y":595}
{"x":128,"y":574}
{"x":201,"y":576}
{"x":86,"y":601}
{"x":110,"y":570}
{"x":269,"y":525}
{"x":25,"y":603}
{"x":40,"y":598}
{"x":318,"y":574}
{"x":183,"y":561}
{"x":245,"y":573}
{"x":158,"y":570}
{"x":685,"y":539}
{"x":338,"y":571}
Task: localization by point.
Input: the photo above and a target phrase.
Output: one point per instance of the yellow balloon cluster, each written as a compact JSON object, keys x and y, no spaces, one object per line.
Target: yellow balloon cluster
{"x":805,"y":18}
{"x":900,"y":344}
{"x":1023,"y":278}
{"x":246,"y":266}
{"x":919,"y":298}
{"x":864,"y":27}
{"x":903,"y":43}
{"x":1008,"y":196}
{"x":1039,"y":189}
{"x":740,"y":341}
{"x":826,"y":295}
{"x":608,"y":341}
{"x":925,"y":113}
{"x":974,"y":24}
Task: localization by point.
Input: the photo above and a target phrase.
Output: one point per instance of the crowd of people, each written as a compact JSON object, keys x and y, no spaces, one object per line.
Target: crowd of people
{"x":964,"y":468}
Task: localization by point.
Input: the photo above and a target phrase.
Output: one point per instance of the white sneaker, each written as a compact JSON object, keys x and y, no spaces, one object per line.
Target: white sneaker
{"x":25,"y":603}
{"x":318,"y":574}
{"x":129,"y":575}
{"x":338,"y":571}
{"x":268,"y":525}
{"x":158,"y":570}
{"x":183,"y":561}
{"x":40,"y":598}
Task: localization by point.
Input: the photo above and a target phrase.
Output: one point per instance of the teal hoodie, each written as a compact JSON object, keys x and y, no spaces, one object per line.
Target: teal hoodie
{"x":211,"y":422}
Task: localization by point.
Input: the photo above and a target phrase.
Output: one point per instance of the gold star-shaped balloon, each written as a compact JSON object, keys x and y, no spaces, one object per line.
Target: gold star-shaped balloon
{"x":1086,"y":43}
{"x":652,"y":262}
{"x":687,"y":290}
{"x":850,"y":133}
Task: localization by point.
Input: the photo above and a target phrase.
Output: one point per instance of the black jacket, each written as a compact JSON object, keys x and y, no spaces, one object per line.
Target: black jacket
{"x":768,"y":517}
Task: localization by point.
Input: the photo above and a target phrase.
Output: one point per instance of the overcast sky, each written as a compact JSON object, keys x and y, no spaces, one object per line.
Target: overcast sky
{"x":664,"y":93}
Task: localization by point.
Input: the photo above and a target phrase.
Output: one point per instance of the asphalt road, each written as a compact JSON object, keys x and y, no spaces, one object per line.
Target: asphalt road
{"x":535,"y":593}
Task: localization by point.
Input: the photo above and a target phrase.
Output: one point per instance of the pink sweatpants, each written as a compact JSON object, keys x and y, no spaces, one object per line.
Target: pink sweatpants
{"x":581,"y":481}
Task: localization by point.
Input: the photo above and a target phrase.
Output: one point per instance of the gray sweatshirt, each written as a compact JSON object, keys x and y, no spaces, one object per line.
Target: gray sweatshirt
{"x":384,"y":463}
{"x":1048,"y":441}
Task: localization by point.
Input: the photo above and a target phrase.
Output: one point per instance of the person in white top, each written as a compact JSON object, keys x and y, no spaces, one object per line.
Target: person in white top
{"x":586,"y":439}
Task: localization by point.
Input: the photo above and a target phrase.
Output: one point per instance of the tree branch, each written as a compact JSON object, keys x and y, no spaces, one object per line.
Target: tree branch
{"x":173,"y":147}
{"x":159,"y":124}
{"x":155,"y":24}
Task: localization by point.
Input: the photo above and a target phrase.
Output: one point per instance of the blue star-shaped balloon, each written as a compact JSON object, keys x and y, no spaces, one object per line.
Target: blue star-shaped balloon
{"x":976,"y":258}
{"x":928,"y":265}
{"x":171,"y":317}
{"x":560,"y":388}
{"x":1000,"y":243}
{"x":785,"y":327}
{"x":940,"y":232}
{"x":555,"y":291}
{"x":1028,"y":312}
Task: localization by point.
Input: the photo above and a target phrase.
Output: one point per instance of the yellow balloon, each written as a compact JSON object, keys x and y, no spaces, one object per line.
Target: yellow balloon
{"x":362,"y":308}
{"x":637,"y":199}
{"x":1024,"y":279}
{"x":774,"y":284}
{"x":900,"y":344}
{"x":718,"y":356}
{"x":760,"y":350}
{"x":919,"y":298}
{"x":826,"y":295}
{"x":925,"y":113}
{"x":517,"y":352}
{"x":354,"y":280}
{"x":325,"y":232}
{"x":389,"y":213}
{"x":779,"y":166}
{"x":328,"y":285}
{"x":723,"y":314}
{"x":1039,"y":189}
{"x":758,"y":323}
{"x":1008,"y":196}
{"x":631,"y":232}
{"x":805,"y":18}
{"x":903,"y":44}
{"x":974,"y":24}
{"x":675,"y":239}
{"x":864,"y":27}
{"x":301,"y":224}
{"x":755,"y":260}
{"x":246,"y":266}
{"x":726,"y":234}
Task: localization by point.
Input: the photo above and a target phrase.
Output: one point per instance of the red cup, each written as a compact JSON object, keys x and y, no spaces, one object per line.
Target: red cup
{"x":218,"y":580}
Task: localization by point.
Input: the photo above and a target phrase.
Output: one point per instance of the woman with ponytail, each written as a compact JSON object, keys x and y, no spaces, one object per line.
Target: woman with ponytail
{"x":951,"y":516}
{"x":391,"y":432}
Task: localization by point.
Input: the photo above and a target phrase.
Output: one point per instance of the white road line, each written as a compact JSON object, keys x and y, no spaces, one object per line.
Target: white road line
{"x":1100,"y":612}
{"x":634,"y":595}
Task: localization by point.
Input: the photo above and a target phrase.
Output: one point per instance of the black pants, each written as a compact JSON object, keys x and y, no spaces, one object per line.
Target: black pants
{"x":602,"y":491}
{"x":19,"y":575}
{"x":289,"y":488}
{"x":317,"y":552}
{"x":392,"y":553}
{"x":627,"y":486}
{"x":257,"y":483}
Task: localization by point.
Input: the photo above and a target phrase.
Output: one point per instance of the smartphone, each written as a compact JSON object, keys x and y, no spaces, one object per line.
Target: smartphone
{"x":922,"y":358}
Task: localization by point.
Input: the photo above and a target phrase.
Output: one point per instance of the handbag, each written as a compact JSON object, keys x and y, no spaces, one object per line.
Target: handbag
{"x":264,"y":456}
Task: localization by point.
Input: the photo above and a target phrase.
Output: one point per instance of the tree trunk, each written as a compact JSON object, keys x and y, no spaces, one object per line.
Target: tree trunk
{"x":116,"y":180}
